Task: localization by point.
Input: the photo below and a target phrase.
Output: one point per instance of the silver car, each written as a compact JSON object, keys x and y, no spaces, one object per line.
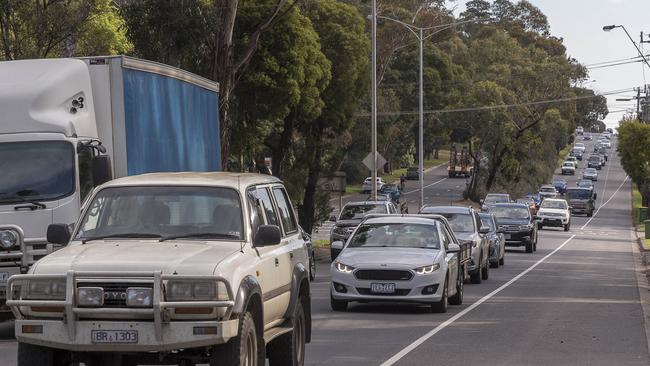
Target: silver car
{"x":591,"y":174}
{"x":398,"y":258}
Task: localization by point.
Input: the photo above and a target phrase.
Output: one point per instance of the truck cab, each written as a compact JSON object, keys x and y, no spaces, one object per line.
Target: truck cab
{"x":170,"y":267}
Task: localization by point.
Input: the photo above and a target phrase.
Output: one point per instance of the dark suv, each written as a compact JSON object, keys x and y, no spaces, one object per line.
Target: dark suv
{"x":594,"y":162}
{"x":466,"y":224}
{"x":518,"y":224}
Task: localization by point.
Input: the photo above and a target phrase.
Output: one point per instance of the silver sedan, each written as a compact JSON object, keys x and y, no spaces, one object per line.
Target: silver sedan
{"x":398,"y":259}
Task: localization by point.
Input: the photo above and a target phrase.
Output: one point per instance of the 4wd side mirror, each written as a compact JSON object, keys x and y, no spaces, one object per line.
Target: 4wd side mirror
{"x":58,"y":234}
{"x":453,"y":248}
{"x":484,"y":230}
{"x":267,"y":235}
{"x":102,"y":171}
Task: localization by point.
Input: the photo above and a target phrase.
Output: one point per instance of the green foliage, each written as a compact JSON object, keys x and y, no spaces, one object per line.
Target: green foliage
{"x":633,"y":142}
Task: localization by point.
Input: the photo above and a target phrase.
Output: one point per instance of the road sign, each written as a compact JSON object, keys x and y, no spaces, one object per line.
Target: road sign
{"x":367,"y":161}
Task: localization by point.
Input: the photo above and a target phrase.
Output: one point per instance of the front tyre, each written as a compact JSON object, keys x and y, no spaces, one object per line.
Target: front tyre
{"x":485,"y":271}
{"x":441,"y":306}
{"x":457,"y":299}
{"x":241,"y":350}
{"x":289,"y":348}
{"x":31,"y":355}
{"x":338,"y":305}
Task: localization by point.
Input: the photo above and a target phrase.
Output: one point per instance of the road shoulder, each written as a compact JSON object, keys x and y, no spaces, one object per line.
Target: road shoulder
{"x":641,"y":263}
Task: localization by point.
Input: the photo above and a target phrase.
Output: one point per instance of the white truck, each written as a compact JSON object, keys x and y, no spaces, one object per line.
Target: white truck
{"x":68,"y":125}
{"x":170,"y":268}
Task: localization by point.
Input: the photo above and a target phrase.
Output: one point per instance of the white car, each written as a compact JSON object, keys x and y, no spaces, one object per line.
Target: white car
{"x":554,"y":212}
{"x":579,"y":146}
{"x":607,"y":144}
{"x":399,"y":258}
{"x":173,"y":268}
{"x":367,"y":184}
{"x":548,"y":191}
{"x":568,"y":167}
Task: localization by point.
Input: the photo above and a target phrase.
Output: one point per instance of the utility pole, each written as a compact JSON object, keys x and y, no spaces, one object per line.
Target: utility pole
{"x":374,"y":100}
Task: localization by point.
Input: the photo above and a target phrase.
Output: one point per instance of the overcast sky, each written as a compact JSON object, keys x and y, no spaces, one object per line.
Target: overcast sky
{"x":580,"y":23}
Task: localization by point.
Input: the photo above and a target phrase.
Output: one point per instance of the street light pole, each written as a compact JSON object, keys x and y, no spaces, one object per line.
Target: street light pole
{"x":374,"y":100}
{"x":421,"y":127}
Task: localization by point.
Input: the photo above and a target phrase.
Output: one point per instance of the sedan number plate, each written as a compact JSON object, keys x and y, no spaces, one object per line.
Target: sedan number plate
{"x":382,"y":288}
{"x":114,"y":336}
{"x":4,"y":276}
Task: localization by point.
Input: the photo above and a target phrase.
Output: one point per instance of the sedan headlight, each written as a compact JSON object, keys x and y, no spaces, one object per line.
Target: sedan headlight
{"x":344,"y":267}
{"x":427,"y":269}
{"x":45,"y":290}
{"x":8,"y":239}
{"x":195,"y":291}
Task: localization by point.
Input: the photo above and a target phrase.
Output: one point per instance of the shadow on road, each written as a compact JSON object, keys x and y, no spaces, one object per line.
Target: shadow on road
{"x":7,"y":331}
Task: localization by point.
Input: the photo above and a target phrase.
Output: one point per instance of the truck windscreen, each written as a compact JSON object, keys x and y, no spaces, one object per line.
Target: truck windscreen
{"x":578,"y":194}
{"x":205,"y":213}
{"x":36,"y":171}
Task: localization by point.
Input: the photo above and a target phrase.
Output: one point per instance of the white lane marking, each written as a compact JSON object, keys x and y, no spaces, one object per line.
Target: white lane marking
{"x":602,"y":195}
{"x":449,"y":321}
{"x":603,"y":205}
{"x":430,"y":185}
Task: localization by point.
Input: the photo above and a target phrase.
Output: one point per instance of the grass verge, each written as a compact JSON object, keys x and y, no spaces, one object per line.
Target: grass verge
{"x":637,"y":202}
{"x":320,"y":243}
{"x":563,"y":154}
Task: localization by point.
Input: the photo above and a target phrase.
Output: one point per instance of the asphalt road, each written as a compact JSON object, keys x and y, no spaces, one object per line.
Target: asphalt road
{"x":573,"y":302}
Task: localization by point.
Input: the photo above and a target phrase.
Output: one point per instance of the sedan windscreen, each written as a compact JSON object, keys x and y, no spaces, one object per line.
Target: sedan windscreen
{"x":399,"y":235}
{"x":355,"y":212}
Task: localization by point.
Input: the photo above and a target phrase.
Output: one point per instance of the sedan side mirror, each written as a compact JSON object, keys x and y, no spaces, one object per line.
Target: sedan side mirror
{"x":484,"y":230}
{"x":453,"y":248}
{"x":335,"y":249}
{"x":267,"y":235}
{"x":337,"y":245}
{"x":58,"y":234}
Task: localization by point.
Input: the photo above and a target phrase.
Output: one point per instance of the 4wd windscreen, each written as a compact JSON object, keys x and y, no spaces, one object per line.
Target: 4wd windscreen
{"x":357,"y":212}
{"x":36,"y":170}
{"x":578,"y":194}
{"x":560,"y":205}
{"x":400,"y":235}
{"x":191,"y":212}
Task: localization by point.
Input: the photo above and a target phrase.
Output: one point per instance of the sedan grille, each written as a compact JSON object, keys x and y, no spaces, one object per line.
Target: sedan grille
{"x":398,"y":292}
{"x":383,"y":275}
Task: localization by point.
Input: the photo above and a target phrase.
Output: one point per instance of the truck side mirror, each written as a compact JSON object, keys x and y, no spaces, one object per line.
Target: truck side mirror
{"x":102,"y":171}
{"x":267,"y":235}
{"x":58,"y":234}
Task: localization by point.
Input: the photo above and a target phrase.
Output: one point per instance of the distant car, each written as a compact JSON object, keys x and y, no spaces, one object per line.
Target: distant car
{"x":607,"y":144}
{"x":560,"y":185}
{"x":367,"y":184}
{"x":310,"y":250}
{"x":496,"y":238}
{"x":587,"y":137}
{"x":413,"y":173}
{"x":591,"y":174}
{"x":574,"y":160}
{"x":351,"y":215}
{"x":548,"y":191}
{"x":577,"y":153}
{"x":399,"y":258}
{"x":594,"y":162}
{"x":603,"y":153}
{"x":580,"y":130}
{"x":494,"y":198}
{"x":536,"y":197}
{"x":466,"y":224}
{"x":518,"y":224}
{"x":391,"y":190}
{"x":568,"y":168}
{"x":554,"y":212}
{"x":586,"y":183}
{"x":579,"y":146}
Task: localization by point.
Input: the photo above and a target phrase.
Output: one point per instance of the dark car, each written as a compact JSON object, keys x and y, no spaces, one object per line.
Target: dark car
{"x":350,"y":217}
{"x":310,"y":250}
{"x":517,"y":223}
{"x":466,"y":224}
{"x":594,"y":162}
{"x":391,"y":190}
{"x":560,"y":185}
{"x":412,"y":173}
{"x":581,"y":201}
{"x":496,"y":238}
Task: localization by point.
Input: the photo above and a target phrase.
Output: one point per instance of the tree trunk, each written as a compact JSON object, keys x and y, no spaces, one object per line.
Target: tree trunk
{"x":307,"y":216}
{"x":281,"y":150}
{"x":436,"y":154}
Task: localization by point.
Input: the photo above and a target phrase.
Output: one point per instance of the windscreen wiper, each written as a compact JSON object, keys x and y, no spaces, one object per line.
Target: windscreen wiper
{"x":122,"y":235}
{"x":200,"y":235}
{"x":4,"y":195}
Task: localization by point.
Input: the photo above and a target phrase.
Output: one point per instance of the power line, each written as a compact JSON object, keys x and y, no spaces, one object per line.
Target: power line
{"x":615,"y":64}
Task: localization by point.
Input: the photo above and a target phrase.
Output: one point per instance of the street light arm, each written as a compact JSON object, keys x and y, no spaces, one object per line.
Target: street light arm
{"x":410,"y":27}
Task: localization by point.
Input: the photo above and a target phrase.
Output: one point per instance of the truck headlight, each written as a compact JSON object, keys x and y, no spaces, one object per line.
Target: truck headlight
{"x":344,"y":267}
{"x":138,"y":297}
{"x":191,"y":291}
{"x":46,"y":290}
{"x":90,"y":296}
{"x":8,"y":239}
{"x":427,"y":269}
